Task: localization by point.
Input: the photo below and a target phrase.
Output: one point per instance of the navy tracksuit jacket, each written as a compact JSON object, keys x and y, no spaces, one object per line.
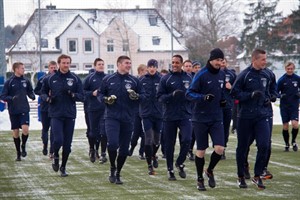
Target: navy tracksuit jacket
{"x":15,"y":92}
{"x":253,"y":116}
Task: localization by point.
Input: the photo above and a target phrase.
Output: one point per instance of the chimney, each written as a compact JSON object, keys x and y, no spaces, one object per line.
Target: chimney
{"x":50,"y":7}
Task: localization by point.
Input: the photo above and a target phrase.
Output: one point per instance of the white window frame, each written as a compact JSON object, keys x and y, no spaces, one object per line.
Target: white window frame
{"x":92,"y":45}
{"x":110,"y":45}
{"x":72,"y":68}
{"x":76,"y":45}
{"x":110,"y":69}
{"x":88,"y":64}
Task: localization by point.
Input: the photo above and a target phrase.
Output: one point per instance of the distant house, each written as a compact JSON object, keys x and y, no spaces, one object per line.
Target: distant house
{"x":86,"y":34}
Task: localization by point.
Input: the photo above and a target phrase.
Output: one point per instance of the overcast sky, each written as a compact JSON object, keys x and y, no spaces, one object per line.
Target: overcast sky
{"x":18,"y":11}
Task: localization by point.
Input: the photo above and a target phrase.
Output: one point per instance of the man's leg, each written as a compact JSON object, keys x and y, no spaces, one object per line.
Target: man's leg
{"x":170,"y":139}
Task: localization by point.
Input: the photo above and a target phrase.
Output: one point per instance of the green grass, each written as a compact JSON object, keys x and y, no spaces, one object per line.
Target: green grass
{"x":33,"y":178}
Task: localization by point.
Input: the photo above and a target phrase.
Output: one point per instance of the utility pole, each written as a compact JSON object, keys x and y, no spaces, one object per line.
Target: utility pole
{"x":2,"y":42}
{"x":40,"y":36}
{"x":171,"y":28}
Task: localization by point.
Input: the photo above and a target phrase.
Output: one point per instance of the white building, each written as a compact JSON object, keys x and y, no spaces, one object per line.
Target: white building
{"x":86,"y":34}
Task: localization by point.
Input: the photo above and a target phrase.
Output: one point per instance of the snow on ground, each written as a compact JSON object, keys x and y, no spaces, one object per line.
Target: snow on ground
{"x":80,"y":121}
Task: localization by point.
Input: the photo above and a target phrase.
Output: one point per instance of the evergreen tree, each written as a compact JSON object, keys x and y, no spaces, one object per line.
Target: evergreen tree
{"x":259,"y":24}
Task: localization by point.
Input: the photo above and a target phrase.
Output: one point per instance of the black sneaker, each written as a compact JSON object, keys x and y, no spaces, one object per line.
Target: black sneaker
{"x":211,"y":179}
{"x":63,"y":172}
{"x":155,"y":162}
{"x":18,"y":156}
{"x":191,"y":156}
{"x":258,"y":182}
{"x":163,"y":156}
{"x":45,"y":150}
{"x":181,"y":172}
{"x":103,"y":159}
{"x":171,"y":176}
{"x":200,"y":185}
{"x":112,"y":176}
{"x":247,"y":173}
{"x":151,"y":170}
{"x":118,"y":180}
{"x":24,"y":153}
{"x":130,"y":152}
{"x":266,"y":175}
{"x":287,"y":148}
{"x":142,"y":157}
{"x":97,"y":155}
{"x":55,"y":164}
{"x":295,"y":146}
{"x":242,"y":182}
{"x":92,"y":155}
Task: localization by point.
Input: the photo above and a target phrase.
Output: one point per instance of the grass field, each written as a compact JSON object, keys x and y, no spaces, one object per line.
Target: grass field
{"x":33,"y":177}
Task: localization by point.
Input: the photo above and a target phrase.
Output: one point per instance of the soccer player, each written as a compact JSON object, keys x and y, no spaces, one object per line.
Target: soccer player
{"x":15,"y":92}
{"x":45,"y":119}
{"x":177,"y":114}
{"x":61,"y":90}
{"x":288,"y":87}
{"x":207,"y":93}
{"x":151,"y":114}
{"x":252,"y":90}
{"x":227,"y":110}
{"x":121,"y":93}
{"x":95,"y":110}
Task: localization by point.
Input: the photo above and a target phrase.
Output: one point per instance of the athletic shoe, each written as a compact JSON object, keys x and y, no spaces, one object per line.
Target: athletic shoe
{"x":163,"y":156}
{"x":266,"y":175}
{"x":258,"y":182}
{"x":130,"y":152}
{"x":151,"y":171}
{"x":242,"y":182}
{"x":200,"y":185}
{"x":191,"y":156}
{"x":247,"y":173}
{"x":295,"y":146}
{"x":63,"y":172}
{"x":18,"y":156}
{"x":55,"y":164}
{"x":172,"y":176}
{"x":92,"y":155}
{"x":103,"y":159}
{"x":118,"y":180}
{"x":45,"y":150}
{"x":112,"y":176}
{"x":287,"y":148}
{"x":181,"y":172}
{"x":142,"y":157}
{"x":211,"y":179}
{"x":233,"y":131}
{"x":24,"y":153}
{"x":155,"y":162}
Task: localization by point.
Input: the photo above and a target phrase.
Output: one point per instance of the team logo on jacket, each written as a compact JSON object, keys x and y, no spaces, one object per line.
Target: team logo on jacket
{"x":221,"y":83}
{"x":70,"y":82}
{"x":295,"y":83}
{"x":25,"y":84}
{"x":264,"y":82}
{"x":186,"y":84}
{"x":127,"y":86}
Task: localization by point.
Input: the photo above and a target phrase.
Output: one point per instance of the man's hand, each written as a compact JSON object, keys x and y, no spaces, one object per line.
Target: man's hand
{"x":133,"y":95}
{"x":256,"y":94}
{"x":178,"y":93}
{"x":223,"y":103}
{"x":209,"y":97}
{"x":110,"y":100}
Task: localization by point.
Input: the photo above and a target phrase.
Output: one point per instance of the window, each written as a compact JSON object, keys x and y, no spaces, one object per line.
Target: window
{"x":125,"y":45}
{"x":155,"y":40}
{"x":153,"y":20}
{"x":57,"y":43}
{"x":88,"y":66}
{"x":110,"y":45}
{"x":88,"y":46}
{"x":73,"y":67}
{"x":44,"y":43}
{"x":110,"y":69}
{"x":27,"y":67}
{"x":72,"y":45}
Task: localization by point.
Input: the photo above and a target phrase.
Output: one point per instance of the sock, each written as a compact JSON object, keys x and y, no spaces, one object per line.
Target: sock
{"x":294,"y":135}
{"x":285,"y":134}
{"x":120,"y":162}
{"x":199,"y":162}
{"x":148,"y":153}
{"x":24,"y":139}
{"x":155,"y":149}
{"x":17,"y":142}
{"x":112,"y":158}
{"x":214,"y":159}
{"x":64,"y":160}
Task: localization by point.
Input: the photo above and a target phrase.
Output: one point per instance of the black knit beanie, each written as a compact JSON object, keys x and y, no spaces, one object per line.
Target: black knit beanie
{"x":215,"y":54}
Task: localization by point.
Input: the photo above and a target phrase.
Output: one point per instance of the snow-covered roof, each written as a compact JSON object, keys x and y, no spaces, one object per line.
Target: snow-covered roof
{"x":54,"y":23}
